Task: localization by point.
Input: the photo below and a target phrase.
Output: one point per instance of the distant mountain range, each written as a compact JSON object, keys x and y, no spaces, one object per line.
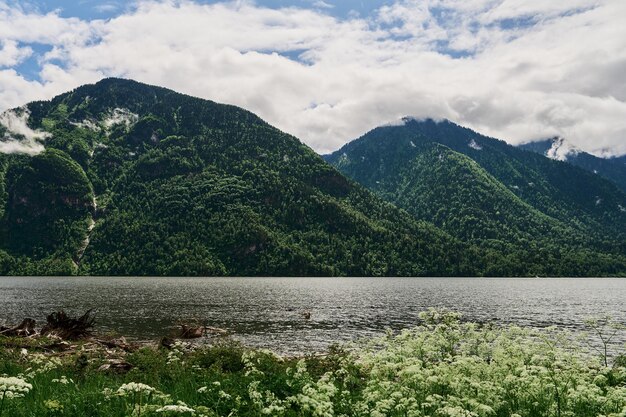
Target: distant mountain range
{"x":613,"y":169}
{"x":530,"y":213}
{"x":122,"y":178}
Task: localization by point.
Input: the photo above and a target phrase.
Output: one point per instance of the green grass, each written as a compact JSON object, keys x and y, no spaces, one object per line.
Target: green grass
{"x":444,"y":367}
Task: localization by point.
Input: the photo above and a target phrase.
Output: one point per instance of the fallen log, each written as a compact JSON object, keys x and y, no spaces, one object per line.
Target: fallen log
{"x":69,"y":328}
{"x":116,"y":365}
{"x":167,"y":343}
{"x":216,"y":331}
{"x":116,"y":343}
{"x":24,"y":329}
{"x":191,"y":332}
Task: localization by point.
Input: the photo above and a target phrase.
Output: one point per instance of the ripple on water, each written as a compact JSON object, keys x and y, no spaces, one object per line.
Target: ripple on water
{"x":267,"y":312}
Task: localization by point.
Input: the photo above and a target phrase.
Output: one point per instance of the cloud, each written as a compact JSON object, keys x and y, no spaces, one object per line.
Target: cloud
{"x":19,"y":138}
{"x":517,"y":70}
{"x":320,"y":4}
{"x":17,"y":24}
{"x":11,"y":54}
{"x":106,"y":7}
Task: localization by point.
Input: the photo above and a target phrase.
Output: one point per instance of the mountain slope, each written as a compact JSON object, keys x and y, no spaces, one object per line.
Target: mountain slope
{"x":539,"y":216}
{"x":158,"y":183}
{"x":612,"y":169}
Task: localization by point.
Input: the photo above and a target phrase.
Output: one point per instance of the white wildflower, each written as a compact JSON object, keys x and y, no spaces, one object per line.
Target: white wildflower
{"x":63,"y":380}
{"x":53,"y":405}
{"x":135,"y":387}
{"x":42,"y":363}
{"x":179,"y":409}
{"x":12,"y":387}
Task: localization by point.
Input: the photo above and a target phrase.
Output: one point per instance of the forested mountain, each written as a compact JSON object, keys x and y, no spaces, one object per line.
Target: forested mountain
{"x":122,"y":178}
{"x":527,"y":213}
{"x":140,"y":180}
{"x":613,"y":169}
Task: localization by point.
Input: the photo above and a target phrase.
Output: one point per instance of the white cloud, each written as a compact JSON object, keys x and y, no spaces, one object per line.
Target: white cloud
{"x":561,"y":150}
{"x":19,"y":138}
{"x":523,"y":69}
{"x":322,"y":5}
{"x":11,"y":54}
{"x":106,"y":7}
{"x":17,"y":24}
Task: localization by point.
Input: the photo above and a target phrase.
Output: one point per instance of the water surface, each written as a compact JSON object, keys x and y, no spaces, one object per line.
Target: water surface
{"x":268,"y":312}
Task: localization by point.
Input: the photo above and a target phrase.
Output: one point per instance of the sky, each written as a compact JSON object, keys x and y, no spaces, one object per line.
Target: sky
{"x":328,"y":71}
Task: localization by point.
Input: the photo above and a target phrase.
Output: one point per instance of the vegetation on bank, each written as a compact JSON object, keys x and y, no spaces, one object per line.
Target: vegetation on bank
{"x":444,"y":367}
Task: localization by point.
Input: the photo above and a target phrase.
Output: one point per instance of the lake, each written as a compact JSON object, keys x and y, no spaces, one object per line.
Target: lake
{"x":268,"y":312}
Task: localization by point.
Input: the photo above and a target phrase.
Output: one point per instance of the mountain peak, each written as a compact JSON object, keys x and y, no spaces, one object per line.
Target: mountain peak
{"x":111,"y":84}
{"x":116,"y":80}
{"x":557,"y":148}
{"x":561,"y":149}
{"x":406,"y":120}
{"x":187,"y":186}
{"x":490,"y":194}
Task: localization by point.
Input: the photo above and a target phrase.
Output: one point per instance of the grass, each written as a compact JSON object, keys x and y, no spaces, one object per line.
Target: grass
{"x":444,"y":367}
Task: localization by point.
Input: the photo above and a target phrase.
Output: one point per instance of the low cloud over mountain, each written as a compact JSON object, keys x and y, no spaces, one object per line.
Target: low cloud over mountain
{"x":519,"y":70}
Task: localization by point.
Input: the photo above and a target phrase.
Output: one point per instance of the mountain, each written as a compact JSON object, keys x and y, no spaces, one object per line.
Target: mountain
{"x":529,"y":214}
{"x":123,"y":178}
{"x":613,"y":169}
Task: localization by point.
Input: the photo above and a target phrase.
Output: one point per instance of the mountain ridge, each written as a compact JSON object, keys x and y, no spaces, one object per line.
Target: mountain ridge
{"x":186,"y":186}
{"x":571,"y":210}
{"x":612,"y":169}
{"x":123,"y":178}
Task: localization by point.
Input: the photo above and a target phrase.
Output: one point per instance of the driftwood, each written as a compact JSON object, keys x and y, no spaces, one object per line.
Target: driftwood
{"x":24,"y":329}
{"x":216,"y":331}
{"x":116,"y":343}
{"x":167,"y":343}
{"x":191,"y":332}
{"x":196,"y":331}
{"x":116,"y":365}
{"x":69,"y":328}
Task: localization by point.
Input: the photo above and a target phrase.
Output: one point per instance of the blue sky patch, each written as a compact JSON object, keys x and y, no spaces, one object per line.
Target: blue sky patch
{"x":30,"y":68}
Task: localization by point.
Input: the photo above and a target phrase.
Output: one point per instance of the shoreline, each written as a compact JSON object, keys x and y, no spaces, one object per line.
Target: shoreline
{"x":444,"y":367}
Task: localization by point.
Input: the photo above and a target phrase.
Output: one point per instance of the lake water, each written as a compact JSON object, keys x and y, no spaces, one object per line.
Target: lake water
{"x":268,"y":312}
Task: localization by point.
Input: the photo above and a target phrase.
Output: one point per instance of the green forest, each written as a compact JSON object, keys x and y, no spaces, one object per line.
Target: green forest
{"x":527,"y":214}
{"x":141,"y":180}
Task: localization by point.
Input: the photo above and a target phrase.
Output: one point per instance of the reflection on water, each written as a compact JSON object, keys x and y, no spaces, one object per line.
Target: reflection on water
{"x":267,"y":312}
